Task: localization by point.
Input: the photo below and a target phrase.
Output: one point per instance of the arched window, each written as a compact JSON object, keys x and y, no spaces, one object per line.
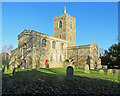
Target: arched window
{"x":44,"y":43}
{"x":25,"y":45}
{"x":60,"y":57}
{"x":53,"y":44}
{"x":62,"y":46}
{"x":60,"y":24}
{"x":60,"y":36}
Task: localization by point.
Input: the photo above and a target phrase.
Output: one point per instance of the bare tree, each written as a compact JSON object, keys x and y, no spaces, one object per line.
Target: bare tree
{"x":10,"y":49}
{"x":4,"y":50}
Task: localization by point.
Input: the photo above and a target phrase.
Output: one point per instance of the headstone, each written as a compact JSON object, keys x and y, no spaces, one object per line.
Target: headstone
{"x":104,"y":66}
{"x":110,"y":72}
{"x":117,"y":72}
{"x":22,"y":68}
{"x":5,"y":69}
{"x":70,"y":73}
{"x":14,"y":70}
{"x":86,"y":69}
{"x":101,"y":72}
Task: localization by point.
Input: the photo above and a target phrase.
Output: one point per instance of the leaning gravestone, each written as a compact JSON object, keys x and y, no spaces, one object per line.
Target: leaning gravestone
{"x":86,"y":69}
{"x":101,"y":72}
{"x":69,"y":72}
{"x":110,"y":72}
{"x":117,"y":72}
{"x":5,"y":69}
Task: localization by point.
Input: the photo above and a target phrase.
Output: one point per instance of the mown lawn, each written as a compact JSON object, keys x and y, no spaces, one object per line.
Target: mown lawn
{"x":50,"y":77}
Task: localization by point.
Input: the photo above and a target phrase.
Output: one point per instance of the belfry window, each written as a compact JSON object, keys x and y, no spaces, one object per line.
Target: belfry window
{"x":60,"y":24}
{"x":44,"y":43}
{"x":53,"y":44}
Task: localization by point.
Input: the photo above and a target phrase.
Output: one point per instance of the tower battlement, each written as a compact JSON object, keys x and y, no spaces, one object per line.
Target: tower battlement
{"x":64,"y":15}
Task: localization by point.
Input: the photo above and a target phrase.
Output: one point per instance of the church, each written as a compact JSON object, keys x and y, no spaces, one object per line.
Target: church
{"x":39,"y":50}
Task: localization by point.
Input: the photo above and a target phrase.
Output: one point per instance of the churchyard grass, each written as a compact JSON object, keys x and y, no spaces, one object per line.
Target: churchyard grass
{"x":43,"y":73}
{"x":54,"y":81}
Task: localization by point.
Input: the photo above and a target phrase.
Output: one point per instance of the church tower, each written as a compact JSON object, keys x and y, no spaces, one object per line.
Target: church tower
{"x":65,"y":28}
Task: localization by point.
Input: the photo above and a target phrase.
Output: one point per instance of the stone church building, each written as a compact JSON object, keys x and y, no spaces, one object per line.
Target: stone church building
{"x":36,"y":49}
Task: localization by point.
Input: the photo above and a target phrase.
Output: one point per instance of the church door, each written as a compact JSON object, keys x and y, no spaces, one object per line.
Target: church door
{"x":46,"y":64}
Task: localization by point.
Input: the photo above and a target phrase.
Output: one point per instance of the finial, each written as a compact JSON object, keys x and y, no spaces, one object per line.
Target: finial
{"x":65,"y":7}
{"x":25,"y":28}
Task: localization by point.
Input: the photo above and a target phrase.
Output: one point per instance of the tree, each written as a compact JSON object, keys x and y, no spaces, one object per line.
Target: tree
{"x":4,"y":50}
{"x":112,"y":56}
{"x":10,"y":49}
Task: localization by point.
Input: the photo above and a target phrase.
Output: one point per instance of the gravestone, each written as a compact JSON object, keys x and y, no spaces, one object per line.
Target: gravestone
{"x":14,"y":70}
{"x":104,"y":66}
{"x":117,"y":72}
{"x":22,"y":68}
{"x":70,"y":73}
{"x":101,"y":72}
{"x":5,"y":69}
{"x":110,"y":72}
{"x":86,"y":69}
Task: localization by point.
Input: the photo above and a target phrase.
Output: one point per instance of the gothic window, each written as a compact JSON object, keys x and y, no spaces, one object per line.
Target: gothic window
{"x":60,"y":57}
{"x":53,"y":44}
{"x":62,"y":46}
{"x":25,"y":45}
{"x":44,"y":43}
{"x":60,"y":24}
{"x":60,"y":36}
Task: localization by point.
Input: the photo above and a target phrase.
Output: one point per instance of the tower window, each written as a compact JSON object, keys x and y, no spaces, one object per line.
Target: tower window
{"x":60,"y":24}
{"x":53,"y":44}
{"x":44,"y":43}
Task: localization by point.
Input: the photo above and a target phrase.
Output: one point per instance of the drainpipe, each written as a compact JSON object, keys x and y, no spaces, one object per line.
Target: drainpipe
{"x":77,"y":57}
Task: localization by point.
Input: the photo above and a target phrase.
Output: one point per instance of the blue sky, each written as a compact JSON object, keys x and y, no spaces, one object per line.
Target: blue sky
{"x":95,"y":21}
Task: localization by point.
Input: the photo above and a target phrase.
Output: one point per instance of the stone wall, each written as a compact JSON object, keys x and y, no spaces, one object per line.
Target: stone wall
{"x":68,"y":30}
{"x":86,"y":54}
{"x":35,"y":54}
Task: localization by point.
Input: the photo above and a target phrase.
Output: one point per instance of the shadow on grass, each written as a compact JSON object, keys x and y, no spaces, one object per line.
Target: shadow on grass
{"x":47,"y":69}
{"x":36,"y":76}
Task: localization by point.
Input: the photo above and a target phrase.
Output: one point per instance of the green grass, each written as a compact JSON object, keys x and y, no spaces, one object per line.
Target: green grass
{"x":58,"y":75}
{"x":43,"y":79}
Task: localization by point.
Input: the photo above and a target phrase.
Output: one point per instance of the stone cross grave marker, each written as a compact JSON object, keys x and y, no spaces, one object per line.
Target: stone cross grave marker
{"x":86,"y":69}
{"x":101,"y":72}
{"x":70,"y":73}
{"x":110,"y":72}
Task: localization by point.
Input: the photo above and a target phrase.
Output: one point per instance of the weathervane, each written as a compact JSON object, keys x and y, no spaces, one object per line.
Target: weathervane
{"x":65,"y":7}
{"x":25,"y":28}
